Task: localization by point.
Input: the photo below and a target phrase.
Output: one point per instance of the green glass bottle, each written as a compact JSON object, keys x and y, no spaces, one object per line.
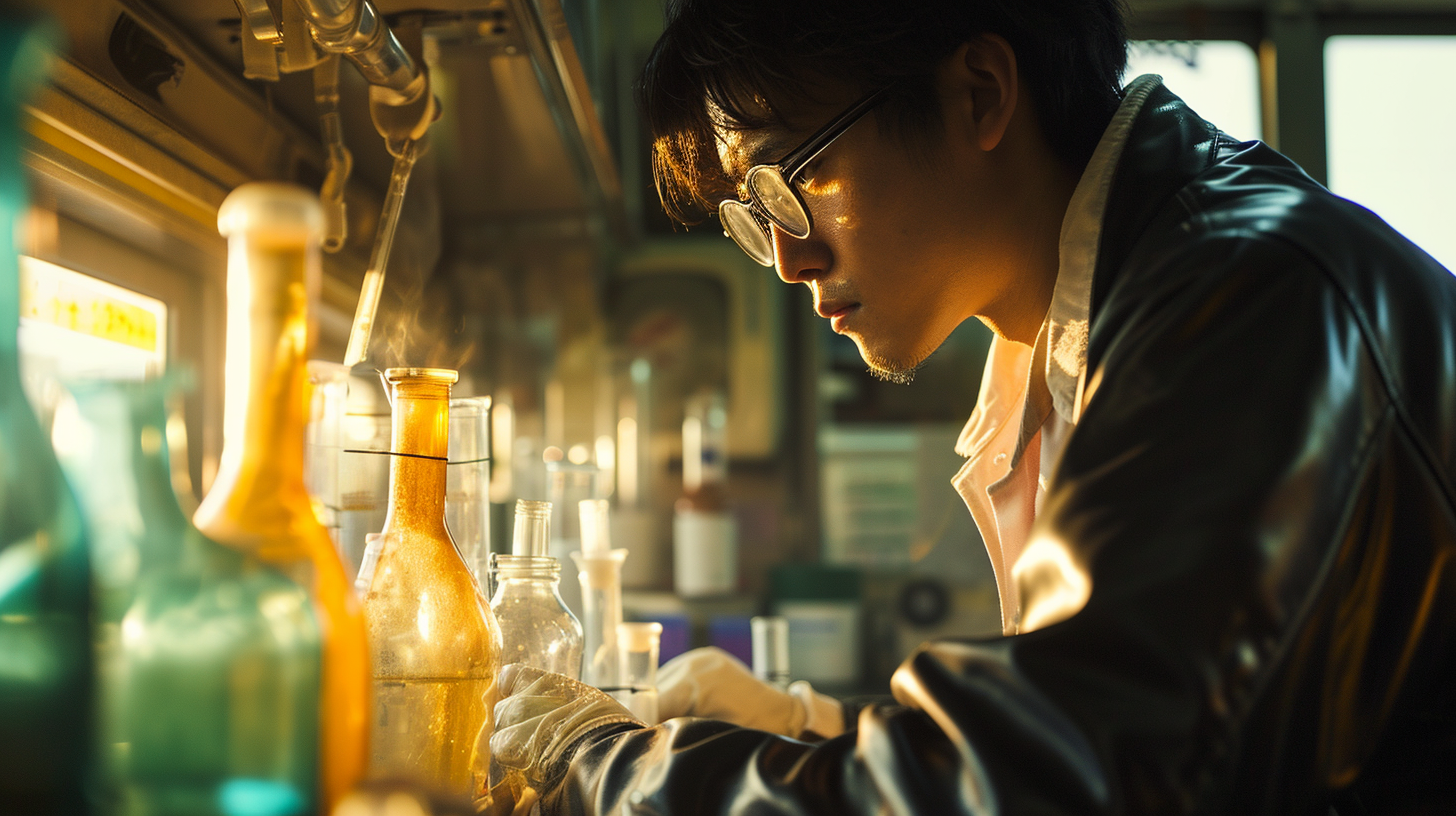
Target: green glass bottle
{"x":45,"y":638}
{"x":210,"y":685}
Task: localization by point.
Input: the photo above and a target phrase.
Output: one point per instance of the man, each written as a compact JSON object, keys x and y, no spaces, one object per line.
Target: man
{"x":1213,"y":458}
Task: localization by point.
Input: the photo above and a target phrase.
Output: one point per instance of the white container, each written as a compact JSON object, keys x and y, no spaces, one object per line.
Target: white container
{"x":824,"y":642}
{"x":705,"y":553}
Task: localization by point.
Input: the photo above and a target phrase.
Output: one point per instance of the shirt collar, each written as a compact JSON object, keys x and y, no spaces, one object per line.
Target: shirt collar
{"x":1066,"y":328}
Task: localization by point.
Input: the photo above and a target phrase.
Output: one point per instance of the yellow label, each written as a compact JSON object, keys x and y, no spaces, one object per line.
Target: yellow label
{"x":70,"y":300}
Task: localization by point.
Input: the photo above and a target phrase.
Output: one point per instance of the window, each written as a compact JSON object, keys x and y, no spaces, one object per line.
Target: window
{"x":73,"y":325}
{"x":1218,"y":79}
{"x":1390,"y":112}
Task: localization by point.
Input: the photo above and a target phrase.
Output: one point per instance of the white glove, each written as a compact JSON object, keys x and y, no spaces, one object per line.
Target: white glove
{"x":539,"y":722}
{"x":711,"y":683}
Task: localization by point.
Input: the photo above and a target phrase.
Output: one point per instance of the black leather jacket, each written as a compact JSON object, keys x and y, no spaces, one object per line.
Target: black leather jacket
{"x":1260,"y":489}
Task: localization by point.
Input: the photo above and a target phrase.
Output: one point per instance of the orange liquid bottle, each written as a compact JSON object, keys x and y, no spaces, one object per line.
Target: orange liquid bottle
{"x":435,"y":645}
{"x":258,"y":502}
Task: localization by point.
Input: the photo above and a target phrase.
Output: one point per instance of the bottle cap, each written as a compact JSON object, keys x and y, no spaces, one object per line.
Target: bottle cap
{"x":285,"y":211}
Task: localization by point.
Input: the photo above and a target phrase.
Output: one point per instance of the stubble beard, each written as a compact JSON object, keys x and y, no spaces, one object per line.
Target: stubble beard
{"x":893,"y":372}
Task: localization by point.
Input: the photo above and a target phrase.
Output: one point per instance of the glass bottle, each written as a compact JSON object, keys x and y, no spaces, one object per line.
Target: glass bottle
{"x":258,"y":502}
{"x":45,"y":638}
{"x":704,"y":534}
{"x":600,"y":575}
{"x":536,"y":627}
{"x":435,"y":644}
{"x":210,"y":688}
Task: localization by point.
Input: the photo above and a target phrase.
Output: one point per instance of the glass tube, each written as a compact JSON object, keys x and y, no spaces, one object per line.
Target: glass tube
{"x":467,"y":484}
{"x":600,"y":575}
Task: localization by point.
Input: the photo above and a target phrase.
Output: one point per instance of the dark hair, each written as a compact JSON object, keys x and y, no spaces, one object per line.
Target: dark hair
{"x":754,"y":59}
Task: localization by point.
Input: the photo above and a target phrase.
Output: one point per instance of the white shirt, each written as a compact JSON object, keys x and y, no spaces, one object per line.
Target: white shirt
{"x":1032,"y":396}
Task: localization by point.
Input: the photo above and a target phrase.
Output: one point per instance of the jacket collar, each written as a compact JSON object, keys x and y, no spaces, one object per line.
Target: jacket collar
{"x":1062,"y":341}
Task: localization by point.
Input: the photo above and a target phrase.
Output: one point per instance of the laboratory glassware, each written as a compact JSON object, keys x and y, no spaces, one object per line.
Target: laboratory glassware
{"x":467,"y":484}
{"x":640,"y":642}
{"x":536,"y":627}
{"x":45,"y":603}
{"x":258,"y":502}
{"x":567,"y":485}
{"x":435,"y":644}
{"x":600,"y":573}
{"x":704,"y":533}
{"x":210,"y":682}
{"x":328,"y":405}
{"x":771,"y":649}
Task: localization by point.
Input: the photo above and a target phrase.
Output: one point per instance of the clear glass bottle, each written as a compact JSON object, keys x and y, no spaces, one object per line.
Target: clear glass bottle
{"x":210,"y":688}
{"x":536,"y":627}
{"x":258,"y":502}
{"x":436,"y":646}
{"x":600,"y":574}
{"x":45,"y":604}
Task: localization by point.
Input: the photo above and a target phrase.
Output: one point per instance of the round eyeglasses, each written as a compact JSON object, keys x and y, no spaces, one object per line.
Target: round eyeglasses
{"x":772,"y":195}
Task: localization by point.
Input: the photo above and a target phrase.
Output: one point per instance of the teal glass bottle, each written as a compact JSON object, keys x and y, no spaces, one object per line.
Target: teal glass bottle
{"x":45,"y":638}
{"x":210,"y":683}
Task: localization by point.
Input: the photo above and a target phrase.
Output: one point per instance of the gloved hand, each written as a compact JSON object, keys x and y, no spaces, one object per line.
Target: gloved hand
{"x":711,"y":683}
{"x":539,"y":722}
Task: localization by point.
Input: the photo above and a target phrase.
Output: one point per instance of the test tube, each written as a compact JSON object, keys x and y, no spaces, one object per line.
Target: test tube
{"x":640,"y":644}
{"x":771,"y":649}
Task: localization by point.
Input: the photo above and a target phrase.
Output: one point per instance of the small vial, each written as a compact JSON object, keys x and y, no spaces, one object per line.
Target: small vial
{"x":771,"y":649}
{"x":640,"y":643}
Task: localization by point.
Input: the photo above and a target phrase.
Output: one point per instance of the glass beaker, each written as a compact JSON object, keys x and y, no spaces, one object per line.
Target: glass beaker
{"x":467,"y":484}
{"x":640,"y":643}
{"x":323,"y":441}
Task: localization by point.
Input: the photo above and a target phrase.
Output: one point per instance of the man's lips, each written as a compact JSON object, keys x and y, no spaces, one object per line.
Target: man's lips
{"x":835,"y":308}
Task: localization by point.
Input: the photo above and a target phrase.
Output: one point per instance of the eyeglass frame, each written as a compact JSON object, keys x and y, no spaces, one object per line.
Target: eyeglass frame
{"x":787,"y":169}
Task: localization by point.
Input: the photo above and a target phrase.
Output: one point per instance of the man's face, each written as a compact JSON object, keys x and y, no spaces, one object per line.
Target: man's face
{"x":904,"y":243}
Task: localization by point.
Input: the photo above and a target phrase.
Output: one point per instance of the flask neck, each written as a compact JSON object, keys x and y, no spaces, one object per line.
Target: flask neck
{"x":420,"y":437}
{"x":259,"y":488}
{"x":126,"y":463}
{"x":542,"y":570}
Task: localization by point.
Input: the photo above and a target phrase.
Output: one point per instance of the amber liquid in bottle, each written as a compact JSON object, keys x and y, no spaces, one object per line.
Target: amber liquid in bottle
{"x":258,"y":502}
{"x":434,"y":643}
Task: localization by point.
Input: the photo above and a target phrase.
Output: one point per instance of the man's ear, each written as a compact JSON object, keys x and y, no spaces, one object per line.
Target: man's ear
{"x":980,"y":88}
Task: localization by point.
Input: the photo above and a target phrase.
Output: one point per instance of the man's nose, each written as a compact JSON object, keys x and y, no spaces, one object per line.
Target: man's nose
{"x":799,"y":260}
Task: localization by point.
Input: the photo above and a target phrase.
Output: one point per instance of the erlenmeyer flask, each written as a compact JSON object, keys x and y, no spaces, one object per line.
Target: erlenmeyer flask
{"x":435,"y":644}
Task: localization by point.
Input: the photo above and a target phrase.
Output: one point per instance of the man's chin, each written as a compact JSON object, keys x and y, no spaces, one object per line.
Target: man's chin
{"x":891,"y":369}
